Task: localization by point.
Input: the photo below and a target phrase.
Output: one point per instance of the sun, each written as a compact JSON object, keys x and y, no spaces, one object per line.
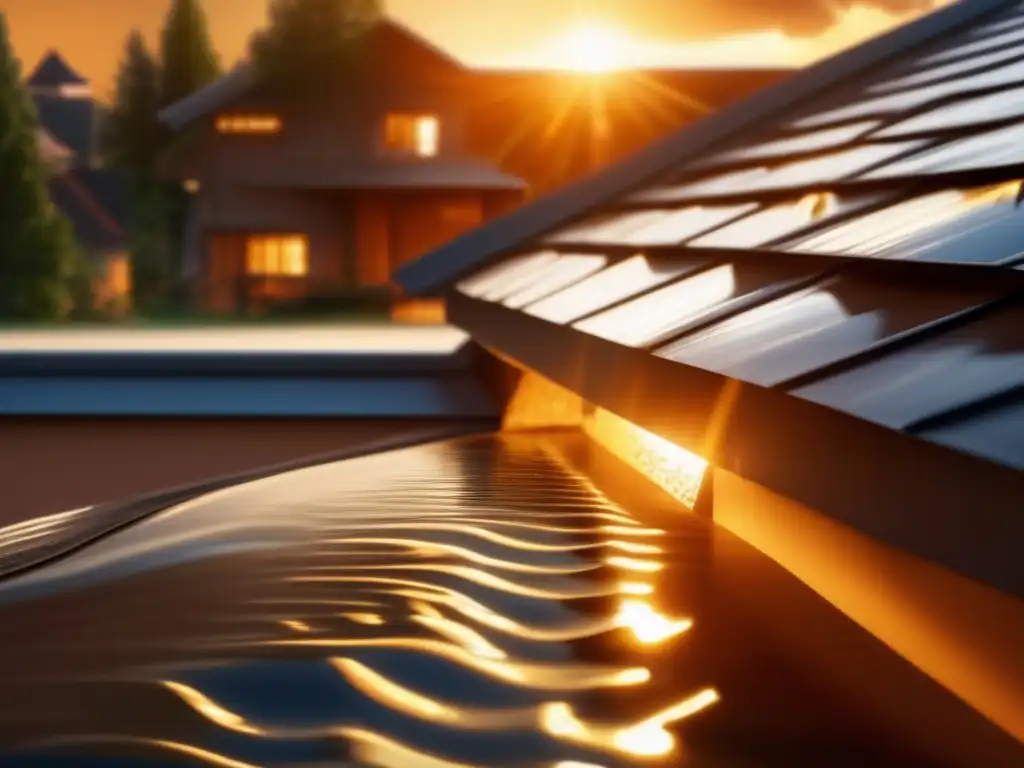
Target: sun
{"x":595,"y":48}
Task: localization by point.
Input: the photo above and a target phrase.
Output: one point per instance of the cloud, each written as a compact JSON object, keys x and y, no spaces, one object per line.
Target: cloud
{"x":696,"y":18}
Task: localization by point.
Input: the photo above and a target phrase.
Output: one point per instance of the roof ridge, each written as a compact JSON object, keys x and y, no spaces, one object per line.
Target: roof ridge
{"x":55,"y":67}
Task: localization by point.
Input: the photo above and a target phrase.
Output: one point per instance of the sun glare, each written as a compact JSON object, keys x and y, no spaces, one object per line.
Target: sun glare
{"x":595,"y":48}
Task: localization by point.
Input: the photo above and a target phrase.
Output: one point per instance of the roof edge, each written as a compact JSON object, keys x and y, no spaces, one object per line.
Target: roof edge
{"x":755,"y":441}
{"x":435,"y":270}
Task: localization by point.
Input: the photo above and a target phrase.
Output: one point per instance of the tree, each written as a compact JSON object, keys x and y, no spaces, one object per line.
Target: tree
{"x":132,"y":135}
{"x":189,"y":61}
{"x":37,"y":246}
{"x":153,"y":247}
{"x":310,"y":41}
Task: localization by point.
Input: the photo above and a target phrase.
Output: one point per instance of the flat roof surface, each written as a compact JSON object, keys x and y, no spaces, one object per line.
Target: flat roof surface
{"x":371,"y":338}
{"x":485,"y":577}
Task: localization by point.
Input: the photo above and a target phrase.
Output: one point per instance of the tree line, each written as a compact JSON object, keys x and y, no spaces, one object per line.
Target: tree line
{"x":43,"y":273}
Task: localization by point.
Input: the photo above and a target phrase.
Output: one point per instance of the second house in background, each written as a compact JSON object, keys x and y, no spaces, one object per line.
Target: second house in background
{"x":293,"y":197}
{"x":339,"y":188}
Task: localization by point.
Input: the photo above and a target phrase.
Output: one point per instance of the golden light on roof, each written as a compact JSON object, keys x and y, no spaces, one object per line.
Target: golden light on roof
{"x":461,"y":634}
{"x":647,"y":624}
{"x":399,"y":698}
{"x":370,"y":748}
{"x":648,"y":738}
{"x":995,"y":193}
{"x":369,"y":619}
{"x":539,"y":402}
{"x":211,"y":710}
{"x":634,"y":564}
{"x":819,"y":205}
{"x":670,"y":467}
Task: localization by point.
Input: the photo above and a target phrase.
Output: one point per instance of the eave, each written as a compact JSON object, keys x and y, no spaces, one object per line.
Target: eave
{"x":948,"y":506}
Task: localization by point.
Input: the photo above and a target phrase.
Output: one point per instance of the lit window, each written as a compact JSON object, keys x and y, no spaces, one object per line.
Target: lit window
{"x":412,"y":134}
{"x":277,"y":255}
{"x":248,"y":124}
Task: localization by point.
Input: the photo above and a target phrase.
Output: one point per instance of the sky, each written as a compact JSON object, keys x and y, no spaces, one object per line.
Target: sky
{"x":502,"y":33}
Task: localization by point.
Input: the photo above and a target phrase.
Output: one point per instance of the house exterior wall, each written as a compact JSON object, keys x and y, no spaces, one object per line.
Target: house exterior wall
{"x":354,"y":239}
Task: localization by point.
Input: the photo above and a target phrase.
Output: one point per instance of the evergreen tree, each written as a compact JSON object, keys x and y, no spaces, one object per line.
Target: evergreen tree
{"x":132,"y":135}
{"x":310,"y":41}
{"x":189,"y":61}
{"x":37,"y":248}
{"x":153,"y":247}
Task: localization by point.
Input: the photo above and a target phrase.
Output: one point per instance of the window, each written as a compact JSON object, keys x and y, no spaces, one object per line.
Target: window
{"x":252,"y":124}
{"x":277,"y":255}
{"x":414,"y":134}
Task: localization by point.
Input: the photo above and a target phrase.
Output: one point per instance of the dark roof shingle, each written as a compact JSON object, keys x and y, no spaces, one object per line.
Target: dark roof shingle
{"x":53,"y":71}
{"x":96,"y":202}
{"x":69,"y":120}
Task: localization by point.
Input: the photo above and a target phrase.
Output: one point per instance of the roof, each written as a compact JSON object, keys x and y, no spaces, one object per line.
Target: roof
{"x":359,"y":371}
{"x":242,"y":78}
{"x":835,"y":261}
{"x":331,"y":605}
{"x":95,"y":201}
{"x":413,"y":174}
{"x":72,"y":121}
{"x":232,"y":85}
{"x":53,"y":71}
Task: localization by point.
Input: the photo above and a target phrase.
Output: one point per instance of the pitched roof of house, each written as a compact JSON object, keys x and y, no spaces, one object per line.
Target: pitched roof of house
{"x":96,"y":202}
{"x":818,"y":289}
{"x":53,"y":71}
{"x":242,"y":78}
{"x":72,"y":121}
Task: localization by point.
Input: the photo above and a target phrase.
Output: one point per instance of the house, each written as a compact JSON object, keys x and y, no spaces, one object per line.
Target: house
{"x":333,"y":191}
{"x":339,"y":191}
{"x":94,"y":199}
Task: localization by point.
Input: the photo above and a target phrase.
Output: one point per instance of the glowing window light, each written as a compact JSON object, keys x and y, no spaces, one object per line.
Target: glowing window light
{"x":415,"y":134}
{"x":277,"y":255}
{"x":673,"y":469}
{"x":249,"y":124}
